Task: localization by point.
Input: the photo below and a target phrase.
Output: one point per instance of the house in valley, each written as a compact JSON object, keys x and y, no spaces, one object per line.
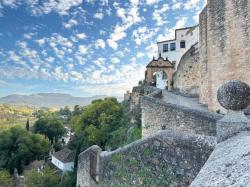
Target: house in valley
{"x":64,"y":159}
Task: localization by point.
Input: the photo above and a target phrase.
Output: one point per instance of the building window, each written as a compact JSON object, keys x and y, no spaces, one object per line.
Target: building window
{"x":182,"y":44}
{"x":165,"y":47}
{"x":172,"y":47}
{"x":164,"y":76}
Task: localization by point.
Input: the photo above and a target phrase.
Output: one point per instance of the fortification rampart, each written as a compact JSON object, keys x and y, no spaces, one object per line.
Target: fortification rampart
{"x":164,"y":159}
{"x":187,"y":77}
{"x":224,"y":46}
{"x":157,"y":115}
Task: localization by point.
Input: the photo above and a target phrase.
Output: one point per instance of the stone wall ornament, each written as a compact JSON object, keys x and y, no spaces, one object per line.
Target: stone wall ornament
{"x":235,"y":97}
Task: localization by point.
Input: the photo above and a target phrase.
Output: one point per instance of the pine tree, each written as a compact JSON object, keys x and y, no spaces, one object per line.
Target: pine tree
{"x":28,"y":125}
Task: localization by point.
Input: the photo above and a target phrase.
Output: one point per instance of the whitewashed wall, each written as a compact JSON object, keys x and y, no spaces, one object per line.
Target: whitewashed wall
{"x":62,"y":166}
{"x":191,"y":38}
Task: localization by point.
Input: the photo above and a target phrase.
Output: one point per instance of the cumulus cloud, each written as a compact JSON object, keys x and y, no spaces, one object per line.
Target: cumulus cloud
{"x":10,"y":3}
{"x":150,"y":2}
{"x":70,"y":23}
{"x":83,"y":49}
{"x":115,"y":84}
{"x":176,"y":5}
{"x":100,"y":43}
{"x":170,"y":32}
{"x":115,"y":60}
{"x":158,"y":15}
{"x":59,"y":6}
{"x":40,"y":42}
{"x":143,"y":34}
{"x":60,"y":75}
{"x":129,"y":17}
{"x":81,"y":36}
{"x":191,"y":4}
{"x":99,"y":15}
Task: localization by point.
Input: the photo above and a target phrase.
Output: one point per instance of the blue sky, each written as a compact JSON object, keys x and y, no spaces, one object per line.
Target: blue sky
{"x":84,"y":47}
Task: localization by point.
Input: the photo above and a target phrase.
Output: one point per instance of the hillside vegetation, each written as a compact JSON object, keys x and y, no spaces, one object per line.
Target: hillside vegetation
{"x":11,"y":115}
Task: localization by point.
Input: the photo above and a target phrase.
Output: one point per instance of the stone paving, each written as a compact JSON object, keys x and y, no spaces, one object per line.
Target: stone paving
{"x":189,"y":102}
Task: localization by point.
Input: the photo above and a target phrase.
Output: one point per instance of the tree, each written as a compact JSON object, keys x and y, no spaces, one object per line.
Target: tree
{"x":74,"y":122}
{"x":68,"y":180}
{"x":5,"y":179}
{"x":98,"y":121}
{"x":19,"y":147}
{"x":28,"y":125}
{"x":65,"y":111}
{"x":46,"y":178}
{"x":51,"y":127}
{"x":78,"y":110}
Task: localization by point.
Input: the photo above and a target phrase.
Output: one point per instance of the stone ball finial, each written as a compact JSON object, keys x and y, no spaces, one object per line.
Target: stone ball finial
{"x":234,"y":95}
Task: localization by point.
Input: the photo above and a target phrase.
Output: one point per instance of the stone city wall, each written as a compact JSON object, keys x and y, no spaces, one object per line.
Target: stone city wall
{"x":225,"y":46}
{"x":157,"y":115}
{"x":135,"y":100}
{"x":164,"y":159}
{"x":187,"y":78}
{"x":203,"y":56}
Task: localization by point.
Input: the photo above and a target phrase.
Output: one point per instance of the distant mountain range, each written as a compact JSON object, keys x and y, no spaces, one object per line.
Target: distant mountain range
{"x":50,"y":100}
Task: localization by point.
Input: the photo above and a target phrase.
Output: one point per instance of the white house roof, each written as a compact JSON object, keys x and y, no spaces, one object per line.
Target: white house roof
{"x":65,"y":155}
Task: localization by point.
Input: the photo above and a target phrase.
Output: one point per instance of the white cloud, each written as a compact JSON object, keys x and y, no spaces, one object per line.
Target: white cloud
{"x":150,"y":2}
{"x":190,"y":4}
{"x":99,"y":15}
{"x":140,"y":55}
{"x":158,"y":15}
{"x":70,"y":23}
{"x":81,"y":36}
{"x":40,"y":42}
{"x":14,"y":56}
{"x":169,"y":33}
{"x":115,"y":60}
{"x":152,"y":50}
{"x":129,"y":17}
{"x":60,"y":75}
{"x":96,"y":75}
{"x":100,"y":43}
{"x":115,"y":84}
{"x":100,"y":62}
{"x":28,"y":35}
{"x":83,"y":49}
{"x":80,"y":59}
{"x":60,"y":6}
{"x":181,"y":23}
{"x":10,"y":3}
{"x":176,"y":5}
{"x":112,"y":44}
{"x":143,"y":34}
{"x":50,"y":59}
{"x":76,"y":76}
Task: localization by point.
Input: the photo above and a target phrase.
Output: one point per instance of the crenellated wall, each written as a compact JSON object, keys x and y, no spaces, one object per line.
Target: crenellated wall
{"x":164,"y":159}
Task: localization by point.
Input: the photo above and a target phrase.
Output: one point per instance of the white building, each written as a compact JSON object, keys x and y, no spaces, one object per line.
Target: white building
{"x":174,"y":49}
{"x":64,"y":159}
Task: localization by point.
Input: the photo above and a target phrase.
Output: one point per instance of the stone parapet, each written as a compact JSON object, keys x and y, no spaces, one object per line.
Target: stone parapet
{"x":158,"y":115}
{"x":163,"y":159}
